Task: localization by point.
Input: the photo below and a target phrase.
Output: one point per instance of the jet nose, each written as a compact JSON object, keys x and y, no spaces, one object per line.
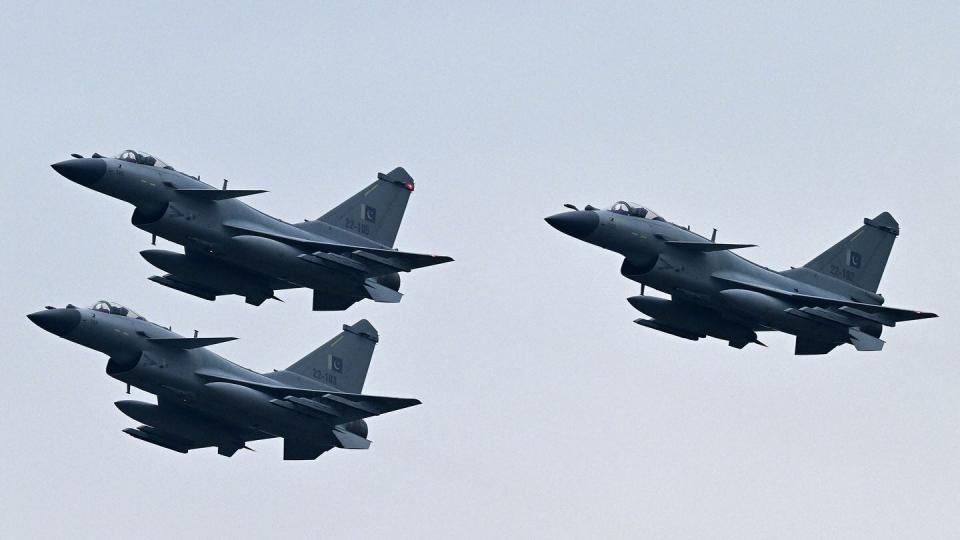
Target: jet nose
{"x":577,"y":224}
{"x":82,"y":171}
{"x":56,"y":321}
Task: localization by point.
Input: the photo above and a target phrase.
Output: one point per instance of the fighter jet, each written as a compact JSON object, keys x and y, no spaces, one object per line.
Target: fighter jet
{"x":714,"y":292}
{"x":204,"y":400}
{"x":231,"y":248}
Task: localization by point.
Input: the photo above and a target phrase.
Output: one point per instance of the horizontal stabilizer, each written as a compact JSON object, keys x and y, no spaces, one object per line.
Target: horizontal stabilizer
{"x":350,"y":441}
{"x":218,"y":194}
{"x":705,"y":246}
{"x":189,"y":343}
{"x":380,"y":293}
{"x":865,"y":342}
{"x":886,"y":314}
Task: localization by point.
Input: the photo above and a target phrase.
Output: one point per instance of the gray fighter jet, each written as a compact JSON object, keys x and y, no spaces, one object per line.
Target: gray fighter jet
{"x":204,"y":400}
{"x":714,"y":292}
{"x":231,"y":248}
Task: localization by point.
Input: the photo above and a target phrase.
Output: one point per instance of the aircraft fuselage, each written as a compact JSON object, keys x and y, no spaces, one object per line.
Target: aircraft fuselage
{"x":173,"y":375}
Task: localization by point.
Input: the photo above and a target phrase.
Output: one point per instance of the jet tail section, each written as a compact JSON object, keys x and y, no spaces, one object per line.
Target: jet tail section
{"x":375,"y":212}
{"x":344,"y":360}
{"x":860,"y":258}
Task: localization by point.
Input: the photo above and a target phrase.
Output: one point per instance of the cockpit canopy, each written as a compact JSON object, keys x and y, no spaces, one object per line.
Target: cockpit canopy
{"x":114,"y":308}
{"x":636,"y":210}
{"x":143,"y":158}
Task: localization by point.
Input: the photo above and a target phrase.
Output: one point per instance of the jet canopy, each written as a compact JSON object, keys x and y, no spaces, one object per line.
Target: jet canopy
{"x":636,"y":210}
{"x":143,"y":158}
{"x":114,"y":308}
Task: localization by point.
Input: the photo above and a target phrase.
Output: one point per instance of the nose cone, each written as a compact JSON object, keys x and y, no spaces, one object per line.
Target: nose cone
{"x":56,"y":321}
{"x":82,"y":171}
{"x":577,"y":224}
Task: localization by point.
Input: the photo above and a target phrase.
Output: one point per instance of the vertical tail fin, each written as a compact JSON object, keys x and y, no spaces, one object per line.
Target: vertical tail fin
{"x":860,"y":258}
{"x":375,"y":212}
{"x":344,"y":360}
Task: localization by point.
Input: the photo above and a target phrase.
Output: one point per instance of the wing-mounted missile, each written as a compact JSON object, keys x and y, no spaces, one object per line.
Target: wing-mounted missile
{"x":176,"y":443}
{"x":205,"y":277}
{"x":155,"y":436}
{"x":171,"y":427}
{"x":690,"y":321}
{"x":654,"y":324}
{"x":182,"y":285}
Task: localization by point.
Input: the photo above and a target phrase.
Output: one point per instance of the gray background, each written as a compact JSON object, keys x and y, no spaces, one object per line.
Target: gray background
{"x":546,"y":411}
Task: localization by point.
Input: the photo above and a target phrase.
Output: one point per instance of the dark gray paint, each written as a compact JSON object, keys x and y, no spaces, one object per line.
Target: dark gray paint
{"x":830,"y":301}
{"x":232,"y":248}
{"x":205,"y":400}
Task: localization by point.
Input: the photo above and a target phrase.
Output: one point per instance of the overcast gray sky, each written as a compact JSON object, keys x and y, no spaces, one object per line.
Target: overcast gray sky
{"x":546,"y":412}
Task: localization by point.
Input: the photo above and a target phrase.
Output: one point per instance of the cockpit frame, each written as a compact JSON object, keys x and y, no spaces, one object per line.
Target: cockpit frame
{"x":142,"y":158}
{"x":115,"y":308}
{"x":635,"y":210}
